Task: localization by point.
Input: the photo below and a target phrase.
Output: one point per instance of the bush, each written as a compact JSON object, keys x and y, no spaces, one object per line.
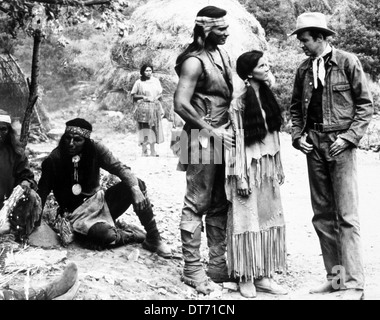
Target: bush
{"x":275,"y":16}
{"x":358,"y":31}
{"x":375,"y":89}
{"x":284,"y":59}
{"x":68,"y":66}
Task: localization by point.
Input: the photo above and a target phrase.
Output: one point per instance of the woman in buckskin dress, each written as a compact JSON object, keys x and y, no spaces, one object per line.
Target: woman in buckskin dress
{"x":148,"y":112}
{"x":256,"y":247}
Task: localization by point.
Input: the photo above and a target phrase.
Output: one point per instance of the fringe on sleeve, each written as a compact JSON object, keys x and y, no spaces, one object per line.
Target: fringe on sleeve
{"x":236,"y":159}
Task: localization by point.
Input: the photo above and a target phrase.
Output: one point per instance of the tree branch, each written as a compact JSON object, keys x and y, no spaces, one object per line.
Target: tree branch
{"x":33,"y":89}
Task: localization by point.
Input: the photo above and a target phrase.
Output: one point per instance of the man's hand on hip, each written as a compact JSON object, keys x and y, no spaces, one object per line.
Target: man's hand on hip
{"x":226,"y":135}
{"x":304,"y":146}
{"x":338,"y":146}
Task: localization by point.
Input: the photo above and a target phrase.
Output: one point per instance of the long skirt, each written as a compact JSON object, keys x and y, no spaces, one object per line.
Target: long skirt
{"x":149,"y":134}
{"x":256,"y":245}
{"x":149,"y":122}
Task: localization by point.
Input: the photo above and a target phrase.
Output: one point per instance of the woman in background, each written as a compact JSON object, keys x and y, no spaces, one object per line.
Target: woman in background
{"x":148,"y":112}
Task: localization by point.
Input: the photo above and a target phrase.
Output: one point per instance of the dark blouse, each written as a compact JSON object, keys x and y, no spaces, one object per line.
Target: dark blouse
{"x":58,"y":176}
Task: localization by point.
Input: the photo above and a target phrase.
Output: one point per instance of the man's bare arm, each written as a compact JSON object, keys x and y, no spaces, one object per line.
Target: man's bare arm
{"x":190,"y":72}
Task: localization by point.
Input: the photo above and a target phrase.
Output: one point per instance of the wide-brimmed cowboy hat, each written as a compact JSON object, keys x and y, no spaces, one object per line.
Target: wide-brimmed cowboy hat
{"x":312,"y":20}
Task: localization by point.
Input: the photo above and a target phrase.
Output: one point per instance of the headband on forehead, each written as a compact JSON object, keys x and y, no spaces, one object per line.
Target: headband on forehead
{"x":208,"y":23}
{"x":79,"y":131}
{"x":5,"y":118}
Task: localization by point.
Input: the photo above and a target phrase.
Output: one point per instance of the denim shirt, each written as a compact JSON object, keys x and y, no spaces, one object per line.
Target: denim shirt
{"x":346,"y":100}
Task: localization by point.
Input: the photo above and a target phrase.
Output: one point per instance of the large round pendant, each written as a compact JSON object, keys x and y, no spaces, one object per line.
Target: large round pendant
{"x":77,"y":189}
{"x":76,"y":159}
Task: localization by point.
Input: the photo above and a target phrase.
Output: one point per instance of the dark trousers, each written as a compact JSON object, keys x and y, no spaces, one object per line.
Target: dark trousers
{"x":205,"y":196}
{"x":334,"y":197}
{"x":119,"y":199}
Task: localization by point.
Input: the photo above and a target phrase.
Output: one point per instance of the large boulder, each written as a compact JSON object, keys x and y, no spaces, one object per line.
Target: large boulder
{"x":161,"y":29}
{"x":158,"y":32}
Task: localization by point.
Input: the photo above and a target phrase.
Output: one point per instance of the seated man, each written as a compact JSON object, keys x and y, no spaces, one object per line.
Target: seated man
{"x":22,"y":210}
{"x":72,"y":172}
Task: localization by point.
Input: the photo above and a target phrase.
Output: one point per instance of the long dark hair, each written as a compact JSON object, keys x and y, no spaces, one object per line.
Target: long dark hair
{"x":199,"y":36}
{"x":253,"y":122}
{"x":12,"y":140}
{"x":142,"y":70}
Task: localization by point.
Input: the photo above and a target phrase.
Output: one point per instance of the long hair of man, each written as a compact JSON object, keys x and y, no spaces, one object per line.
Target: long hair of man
{"x":197,"y":46}
{"x":86,"y":163}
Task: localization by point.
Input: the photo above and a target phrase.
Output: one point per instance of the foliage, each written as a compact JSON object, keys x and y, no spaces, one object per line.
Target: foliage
{"x":324,"y":6}
{"x":67,"y":70}
{"x":358,"y":31}
{"x":275,"y":16}
{"x":77,"y":46}
{"x":284,"y":59}
{"x":278,"y":17}
{"x":37,"y":18}
{"x":53,"y":15}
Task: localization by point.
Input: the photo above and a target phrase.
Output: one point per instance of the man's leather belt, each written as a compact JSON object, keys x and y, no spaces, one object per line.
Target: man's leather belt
{"x":320,"y":127}
{"x":317,"y":127}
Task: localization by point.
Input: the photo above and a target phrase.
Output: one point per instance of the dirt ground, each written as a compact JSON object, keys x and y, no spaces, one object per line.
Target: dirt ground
{"x":132,"y":273}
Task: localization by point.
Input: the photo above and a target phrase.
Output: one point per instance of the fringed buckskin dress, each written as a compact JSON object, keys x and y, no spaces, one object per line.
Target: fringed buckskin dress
{"x":256,"y":244}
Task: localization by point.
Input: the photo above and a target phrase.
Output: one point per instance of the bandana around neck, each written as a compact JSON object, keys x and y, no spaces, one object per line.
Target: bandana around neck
{"x":319,"y":70}
{"x":79,"y":131}
{"x":208,"y":23}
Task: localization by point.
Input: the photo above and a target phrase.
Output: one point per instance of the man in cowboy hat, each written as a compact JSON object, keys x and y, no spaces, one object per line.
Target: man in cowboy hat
{"x":72,"y":172}
{"x":331,"y":108}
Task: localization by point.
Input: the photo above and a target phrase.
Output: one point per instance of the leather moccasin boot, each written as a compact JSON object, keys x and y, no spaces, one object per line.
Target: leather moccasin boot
{"x":159,"y":247}
{"x":268,"y":285}
{"x":220,"y":274}
{"x":205,"y":286}
{"x":247,"y":289}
